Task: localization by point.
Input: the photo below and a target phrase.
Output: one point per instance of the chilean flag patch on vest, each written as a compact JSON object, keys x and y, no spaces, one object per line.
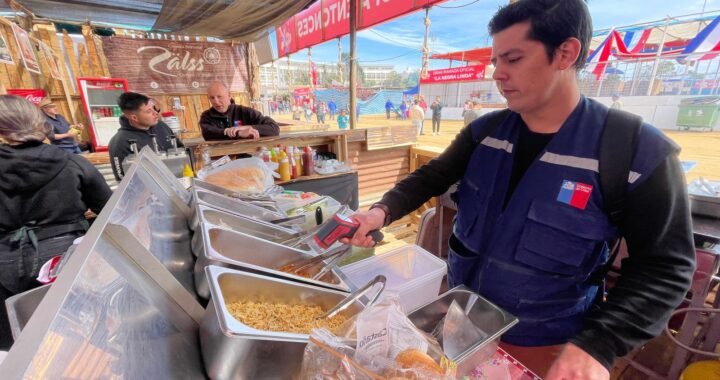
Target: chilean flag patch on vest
{"x":575,"y":194}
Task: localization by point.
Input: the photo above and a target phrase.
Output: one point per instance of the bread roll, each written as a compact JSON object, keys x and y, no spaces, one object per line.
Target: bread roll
{"x":247,"y":179}
{"x":412,"y":358}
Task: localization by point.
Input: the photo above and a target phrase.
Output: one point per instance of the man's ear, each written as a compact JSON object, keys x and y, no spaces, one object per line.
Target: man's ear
{"x":567,"y":53}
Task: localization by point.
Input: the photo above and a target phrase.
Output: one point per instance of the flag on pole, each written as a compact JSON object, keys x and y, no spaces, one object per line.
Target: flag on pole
{"x":708,"y":40}
{"x":313,"y":74}
{"x":598,"y":60}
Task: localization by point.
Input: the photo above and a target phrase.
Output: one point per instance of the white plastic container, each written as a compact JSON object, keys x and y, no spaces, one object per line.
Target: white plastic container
{"x":412,"y":272}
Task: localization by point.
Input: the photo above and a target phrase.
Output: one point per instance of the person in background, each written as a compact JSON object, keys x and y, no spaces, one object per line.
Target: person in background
{"x":417,"y":115}
{"x":616,"y":103}
{"x":422,"y":103}
{"x":357,"y":113}
{"x":332,"y":109}
{"x":63,"y":135}
{"x":466,"y":107}
{"x":436,"y":108}
{"x":403,"y":110}
{"x":227,"y":121}
{"x":320,"y":112}
{"x":388,"y":108}
{"x":139,"y":122}
{"x":472,"y":113}
{"x":532,"y":229}
{"x":307,"y":112}
{"x":343,"y":119}
{"x":44,"y":194}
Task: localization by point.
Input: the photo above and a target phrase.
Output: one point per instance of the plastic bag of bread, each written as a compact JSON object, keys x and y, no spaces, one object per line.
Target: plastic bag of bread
{"x":246,"y":175}
{"x":378,"y":343}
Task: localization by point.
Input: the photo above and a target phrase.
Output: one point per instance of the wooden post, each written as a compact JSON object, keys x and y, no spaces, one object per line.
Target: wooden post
{"x":353,"y":64}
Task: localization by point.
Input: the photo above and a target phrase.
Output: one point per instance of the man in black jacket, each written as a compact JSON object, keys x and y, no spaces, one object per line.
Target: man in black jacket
{"x":140,"y":122}
{"x":226,"y":121}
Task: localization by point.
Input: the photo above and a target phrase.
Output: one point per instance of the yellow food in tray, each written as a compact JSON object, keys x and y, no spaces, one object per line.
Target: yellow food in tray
{"x":279,"y":317}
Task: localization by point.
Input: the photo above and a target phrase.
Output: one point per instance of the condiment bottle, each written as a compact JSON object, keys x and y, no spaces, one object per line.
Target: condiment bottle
{"x":291,"y":158}
{"x":187,"y":171}
{"x":284,"y":169}
{"x":298,"y":161}
{"x":308,"y":162}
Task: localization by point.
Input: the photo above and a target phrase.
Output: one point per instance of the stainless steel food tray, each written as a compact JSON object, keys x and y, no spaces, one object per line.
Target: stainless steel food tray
{"x":224,"y":247}
{"x":487,"y":317}
{"x":233,"y":350}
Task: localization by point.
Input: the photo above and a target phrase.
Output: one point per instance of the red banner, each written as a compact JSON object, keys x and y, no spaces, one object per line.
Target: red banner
{"x":329,"y":19}
{"x":309,"y":27}
{"x":455,"y":74}
{"x":301,"y":91}
{"x":34,"y":95}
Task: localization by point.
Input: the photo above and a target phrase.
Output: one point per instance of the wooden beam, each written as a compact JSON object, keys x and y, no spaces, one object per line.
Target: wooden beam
{"x":70,"y":52}
{"x":92,"y":52}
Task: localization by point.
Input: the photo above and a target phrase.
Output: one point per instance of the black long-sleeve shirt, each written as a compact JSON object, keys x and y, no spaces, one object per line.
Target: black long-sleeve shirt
{"x":657,"y":228}
{"x":213,"y":123}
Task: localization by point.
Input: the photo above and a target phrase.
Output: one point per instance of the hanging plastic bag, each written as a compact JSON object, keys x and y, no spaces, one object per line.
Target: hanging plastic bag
{"x":378,"y":343}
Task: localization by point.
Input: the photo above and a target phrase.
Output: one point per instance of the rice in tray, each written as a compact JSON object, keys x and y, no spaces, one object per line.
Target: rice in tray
{"x":279,"y":317}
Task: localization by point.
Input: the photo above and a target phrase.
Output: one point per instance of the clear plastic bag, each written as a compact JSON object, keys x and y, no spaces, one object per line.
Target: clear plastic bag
{"x":378,"y":343}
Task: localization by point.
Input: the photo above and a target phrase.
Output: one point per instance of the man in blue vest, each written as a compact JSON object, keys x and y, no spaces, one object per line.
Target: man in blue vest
{"x":532,"y":228}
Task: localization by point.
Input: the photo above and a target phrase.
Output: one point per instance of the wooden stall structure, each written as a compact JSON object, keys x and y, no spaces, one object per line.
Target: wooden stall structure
{"x":85,"y":58}
{"x":381,"y":155}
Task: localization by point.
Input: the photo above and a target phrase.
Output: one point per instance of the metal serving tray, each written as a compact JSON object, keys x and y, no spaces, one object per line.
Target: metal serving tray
{"x":232,"y":206}
{"x":233,"y":350}
{"x":490,"y":319}
{"x":704,"y":197}
{"x":21,"y":307}
{"x":224,"y":247}
{"x":254,"y":227}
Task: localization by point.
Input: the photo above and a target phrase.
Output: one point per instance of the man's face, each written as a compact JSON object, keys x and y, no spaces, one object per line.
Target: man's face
{"x":219,"y":98}
{"x":523,"y":73}
{"x":51,"y":111}
{"x":145,"y":117}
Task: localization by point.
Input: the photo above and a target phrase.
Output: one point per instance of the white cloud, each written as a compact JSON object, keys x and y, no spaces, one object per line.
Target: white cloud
{"x":410,"y":40}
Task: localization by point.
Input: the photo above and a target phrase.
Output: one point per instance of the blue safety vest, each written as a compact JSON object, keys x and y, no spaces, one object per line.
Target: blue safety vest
{"x":535,"y":257}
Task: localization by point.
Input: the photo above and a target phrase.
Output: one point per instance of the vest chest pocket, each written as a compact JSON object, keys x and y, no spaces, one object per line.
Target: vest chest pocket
{"x":471,"y":204}
{"x":562,"y":240}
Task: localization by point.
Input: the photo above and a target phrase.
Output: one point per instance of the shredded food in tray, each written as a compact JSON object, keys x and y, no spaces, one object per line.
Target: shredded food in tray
{"x":300,"y":319}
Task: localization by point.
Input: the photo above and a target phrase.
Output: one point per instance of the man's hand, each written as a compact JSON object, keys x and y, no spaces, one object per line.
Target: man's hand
{"x":243,"y":132}
{"x":369,"y":221}
{"x":78,"y":126}
{"x":574,"y":363}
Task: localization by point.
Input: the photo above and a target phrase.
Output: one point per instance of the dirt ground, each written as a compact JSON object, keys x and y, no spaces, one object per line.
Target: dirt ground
{"x":701,"y":147}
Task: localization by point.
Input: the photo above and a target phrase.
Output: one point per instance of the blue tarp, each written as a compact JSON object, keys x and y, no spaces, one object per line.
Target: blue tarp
{"x":412,"y":91}
{"x":371,"y":106}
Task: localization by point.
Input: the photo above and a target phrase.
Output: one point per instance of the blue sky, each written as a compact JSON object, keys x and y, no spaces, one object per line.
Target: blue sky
{"x":398,"y":42}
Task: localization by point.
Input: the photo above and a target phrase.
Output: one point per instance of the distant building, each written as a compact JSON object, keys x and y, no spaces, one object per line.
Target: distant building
{"x":275,"y":77}
{"x":375,"y":75}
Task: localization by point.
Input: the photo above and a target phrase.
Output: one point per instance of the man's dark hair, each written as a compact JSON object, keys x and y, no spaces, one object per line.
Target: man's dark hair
{"x":552,"y":22}
{"x":132,"y":101}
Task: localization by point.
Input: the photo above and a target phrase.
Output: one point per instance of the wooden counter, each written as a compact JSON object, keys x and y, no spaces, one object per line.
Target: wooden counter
{"x":380,"y":155}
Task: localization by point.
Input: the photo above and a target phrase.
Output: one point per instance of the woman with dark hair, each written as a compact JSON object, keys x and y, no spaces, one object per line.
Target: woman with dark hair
{"x":44,"y":194}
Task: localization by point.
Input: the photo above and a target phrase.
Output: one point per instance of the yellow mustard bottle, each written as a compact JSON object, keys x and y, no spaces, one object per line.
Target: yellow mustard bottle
{"x":187,"y":171}
{"x":284,"y":169}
